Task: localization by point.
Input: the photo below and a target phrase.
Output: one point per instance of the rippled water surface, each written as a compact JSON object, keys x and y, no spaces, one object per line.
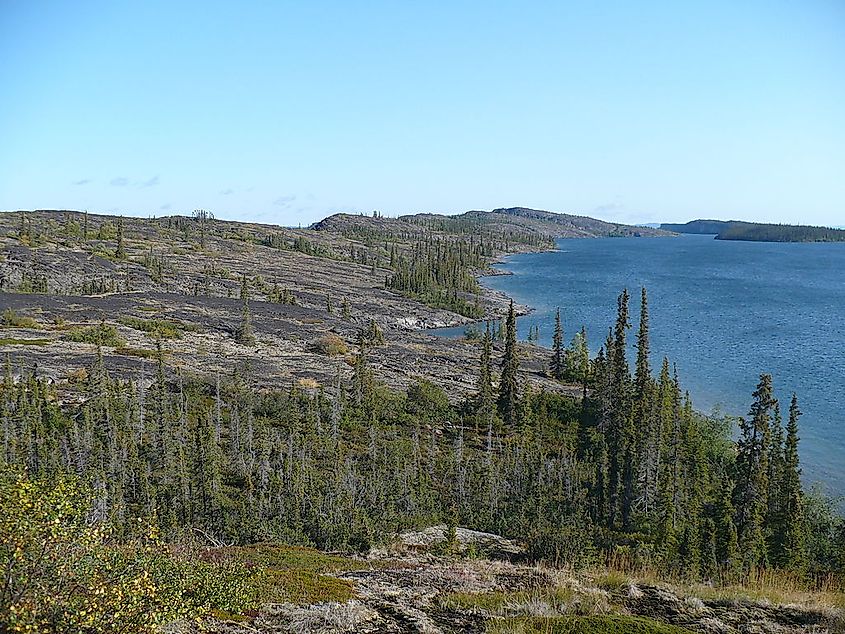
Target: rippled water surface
{"x":722,"y":311}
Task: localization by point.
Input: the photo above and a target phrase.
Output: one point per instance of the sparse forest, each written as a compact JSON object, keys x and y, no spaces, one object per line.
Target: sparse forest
{"x":632,"y":471}
{"x":608,"y":463}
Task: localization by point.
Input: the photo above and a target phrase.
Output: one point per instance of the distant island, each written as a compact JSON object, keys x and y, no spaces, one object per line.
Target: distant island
{"x":757,"y":232}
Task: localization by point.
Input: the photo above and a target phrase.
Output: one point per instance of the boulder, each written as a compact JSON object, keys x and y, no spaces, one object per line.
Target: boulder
{"x":435,"y":540}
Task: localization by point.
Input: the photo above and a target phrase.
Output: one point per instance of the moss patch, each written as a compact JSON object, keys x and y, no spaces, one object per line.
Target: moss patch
{"x":297,"y":557}
{"x":500,"y":603}
{"x":295,"y":574}
{"x":25,"y":342}
{"x":303,"y":587}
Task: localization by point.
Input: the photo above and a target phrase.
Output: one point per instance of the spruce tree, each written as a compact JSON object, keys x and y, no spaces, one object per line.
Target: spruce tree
{"x":727,"y":546}
{"x":775,"y":460}
{"x":621,"y":433}
{"x":485,"y":378}
{"x":120,"y":251}
{"x":646,"y":427}
{"x":581,"y":357}
{"x":791,"y":540}
{"x":557,"y":349}
{"x":642,"y":376}
{"x":751,"y":491}
{"x":361,"y":376}
{"x":508,"y":385}
{"x":642,"y":373}
{"x":670,"y":485}
{"x":245,"y":334}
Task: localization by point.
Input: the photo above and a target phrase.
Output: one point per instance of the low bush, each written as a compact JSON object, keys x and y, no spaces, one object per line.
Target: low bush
{"x":63,"y":573}
{"x":13,"y":320}
{"x":161,"y":328}
{"x":331,"y":345}
{"x":101,"y":335}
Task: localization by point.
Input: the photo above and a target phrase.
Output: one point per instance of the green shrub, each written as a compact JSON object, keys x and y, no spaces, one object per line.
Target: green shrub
{"x":101,"y":335}
{"x":427,"y":399}
{"x":330,"y":344}
{"x":12,"y":320}
{"x":162,"y":328}
{"x":63,"y":574}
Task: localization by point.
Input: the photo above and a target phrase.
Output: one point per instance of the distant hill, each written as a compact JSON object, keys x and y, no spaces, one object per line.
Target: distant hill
{"x":519,"y":223}
{"x":709,"y":227}
{"x":758,"y":232}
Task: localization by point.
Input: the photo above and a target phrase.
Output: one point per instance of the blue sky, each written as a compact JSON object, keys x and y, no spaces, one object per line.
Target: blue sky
{"x":287,"y":112}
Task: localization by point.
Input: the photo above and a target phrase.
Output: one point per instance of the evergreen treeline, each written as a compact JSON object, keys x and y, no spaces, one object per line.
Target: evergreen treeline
{"x":441,"y":273}
{"x":757,"y":231}
{"x":780,"y":233}
{"x":502,"y":239}
{"x":632,"y":469}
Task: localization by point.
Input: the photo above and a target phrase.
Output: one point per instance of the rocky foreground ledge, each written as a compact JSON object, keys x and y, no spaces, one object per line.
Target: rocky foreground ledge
{"x":442,"y":581}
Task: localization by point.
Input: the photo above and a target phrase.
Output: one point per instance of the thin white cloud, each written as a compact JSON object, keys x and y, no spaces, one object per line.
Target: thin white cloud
{"x":284,"y":201}
{"x":607,"y":207}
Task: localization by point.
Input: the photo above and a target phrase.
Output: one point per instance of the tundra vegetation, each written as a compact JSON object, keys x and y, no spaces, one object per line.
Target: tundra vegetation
{"x":130,"y":501}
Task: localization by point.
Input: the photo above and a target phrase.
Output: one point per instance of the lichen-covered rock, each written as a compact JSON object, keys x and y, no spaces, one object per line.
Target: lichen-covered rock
{"x":436,"y":539}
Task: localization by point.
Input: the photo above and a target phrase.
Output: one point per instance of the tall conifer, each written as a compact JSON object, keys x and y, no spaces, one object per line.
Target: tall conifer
{"x":120,"y":251}
{"x":485,"y":377}
{"x":508,"y":385}
{"x":621,"y":432}
{"x":245,"y":332}
{"x":557,"y":348}
{"x":750,"y":495}
{"x":791,"y":538}
{"x":642,"y":376}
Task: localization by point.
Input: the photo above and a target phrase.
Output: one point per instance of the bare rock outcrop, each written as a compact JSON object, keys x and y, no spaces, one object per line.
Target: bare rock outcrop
{"x":464,"y":541}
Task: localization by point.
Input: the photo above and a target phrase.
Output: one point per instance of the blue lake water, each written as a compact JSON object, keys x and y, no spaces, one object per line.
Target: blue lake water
{"x":723,"y":311}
